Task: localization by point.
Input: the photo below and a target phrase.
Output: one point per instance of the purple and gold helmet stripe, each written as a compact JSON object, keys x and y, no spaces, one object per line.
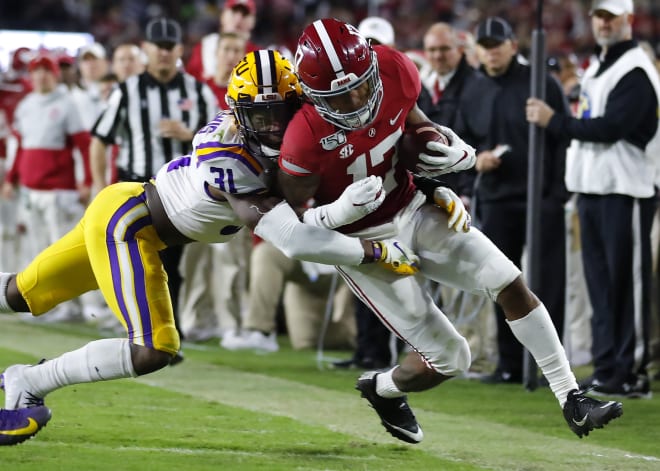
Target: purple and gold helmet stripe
{"x":127,"y":267}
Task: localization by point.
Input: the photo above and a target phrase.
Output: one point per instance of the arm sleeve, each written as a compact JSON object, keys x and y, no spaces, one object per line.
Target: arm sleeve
{"x":556,"y":145}
{"x":281,"y":227}
{"x":619,"y":119}
{"x":107,"y":123}
{"x":81,"y":141}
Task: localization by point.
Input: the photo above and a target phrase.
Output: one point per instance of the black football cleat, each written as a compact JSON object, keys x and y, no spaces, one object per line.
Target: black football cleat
{"x":395,"y":413}
{"x":583,"y":413}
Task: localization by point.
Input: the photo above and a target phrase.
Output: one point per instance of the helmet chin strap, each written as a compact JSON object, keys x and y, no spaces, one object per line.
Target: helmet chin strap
{"x":269,"y":151}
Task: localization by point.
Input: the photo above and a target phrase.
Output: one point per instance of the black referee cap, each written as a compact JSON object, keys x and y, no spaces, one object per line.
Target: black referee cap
{"x":164,"y":31}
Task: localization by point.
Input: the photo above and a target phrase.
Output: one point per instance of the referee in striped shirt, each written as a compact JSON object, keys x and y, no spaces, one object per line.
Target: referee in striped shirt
{"x":154,"y":117}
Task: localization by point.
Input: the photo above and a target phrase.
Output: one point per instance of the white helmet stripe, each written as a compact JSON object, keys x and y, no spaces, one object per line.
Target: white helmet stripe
{"x":329,"y":48}
{"x":264,"y":62}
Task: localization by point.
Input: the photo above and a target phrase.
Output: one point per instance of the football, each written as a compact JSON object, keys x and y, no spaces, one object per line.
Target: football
{"x":413,"y":142}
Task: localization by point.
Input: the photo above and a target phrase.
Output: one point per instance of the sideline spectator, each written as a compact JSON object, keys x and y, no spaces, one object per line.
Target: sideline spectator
{"x":236,"y":16}
{"x":48,"y":127}
{"x":303,"y":288}
{"x":127,"y":60}
{"x":92,"y":65}
{"x":612,"y":166}
{"x":491,"y":116}
{"x":451,"y":74}
{"x":14,"y":86}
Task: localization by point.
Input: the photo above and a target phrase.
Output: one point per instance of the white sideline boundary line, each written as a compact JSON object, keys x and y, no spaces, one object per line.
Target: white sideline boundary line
{"x":449,"y":437}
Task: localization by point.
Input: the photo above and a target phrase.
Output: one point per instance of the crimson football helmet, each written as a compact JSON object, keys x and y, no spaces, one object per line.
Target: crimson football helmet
{"x":332,"y":59}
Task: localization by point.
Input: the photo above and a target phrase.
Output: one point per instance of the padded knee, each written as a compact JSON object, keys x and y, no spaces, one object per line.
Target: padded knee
{"x":455,"y":359}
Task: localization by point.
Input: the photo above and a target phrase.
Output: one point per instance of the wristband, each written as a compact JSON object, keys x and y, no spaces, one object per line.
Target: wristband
{"x":377,"y":248}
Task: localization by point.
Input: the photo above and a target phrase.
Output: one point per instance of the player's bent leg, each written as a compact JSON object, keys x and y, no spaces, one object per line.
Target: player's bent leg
{"x":99,"y":360}
{"x":532,"y":326}
{"x":407,"y":309}
{"x":414,"y":374}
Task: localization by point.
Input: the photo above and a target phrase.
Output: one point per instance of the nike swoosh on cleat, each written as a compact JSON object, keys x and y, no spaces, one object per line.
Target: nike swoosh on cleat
{"x":581,"y":423}
{"x":417,"y":436}
{"x":31,"y":429}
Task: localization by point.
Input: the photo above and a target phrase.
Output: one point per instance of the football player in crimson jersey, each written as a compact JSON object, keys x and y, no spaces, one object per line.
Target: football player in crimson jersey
{"x":362,"y":98}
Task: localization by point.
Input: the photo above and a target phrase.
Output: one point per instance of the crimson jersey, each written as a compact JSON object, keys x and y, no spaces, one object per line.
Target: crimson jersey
{"x":314,"y":146}
{"x":219,"y":93}
{"x":12,"y":91}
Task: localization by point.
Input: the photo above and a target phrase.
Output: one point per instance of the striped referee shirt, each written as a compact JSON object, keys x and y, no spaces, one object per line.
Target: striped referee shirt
{"x":134,"y":112}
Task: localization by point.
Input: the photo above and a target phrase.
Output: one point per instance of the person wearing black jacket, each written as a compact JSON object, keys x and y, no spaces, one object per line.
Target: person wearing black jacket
{"x":612,"y":166}
{"x":491,"y":117}
{"x":444,"y":87}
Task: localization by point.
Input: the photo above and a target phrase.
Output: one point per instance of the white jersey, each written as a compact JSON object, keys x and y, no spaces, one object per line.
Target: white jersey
{"x":220,"y":160}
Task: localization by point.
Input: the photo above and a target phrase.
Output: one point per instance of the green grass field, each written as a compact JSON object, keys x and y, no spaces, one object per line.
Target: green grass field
{"x":244,"y":411}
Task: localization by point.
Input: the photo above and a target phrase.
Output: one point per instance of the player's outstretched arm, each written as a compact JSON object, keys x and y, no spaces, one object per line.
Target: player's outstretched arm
{"x":275,"y":221}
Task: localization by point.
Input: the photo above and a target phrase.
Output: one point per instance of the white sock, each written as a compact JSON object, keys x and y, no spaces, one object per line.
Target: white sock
{"x":100,"y":360}
{"x":5,"y":308}
{"x":537,"y":333}
{"x":385,"y":386}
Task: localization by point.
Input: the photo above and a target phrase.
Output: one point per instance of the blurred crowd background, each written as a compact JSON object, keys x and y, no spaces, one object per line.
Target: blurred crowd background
{"x":566,"y":22}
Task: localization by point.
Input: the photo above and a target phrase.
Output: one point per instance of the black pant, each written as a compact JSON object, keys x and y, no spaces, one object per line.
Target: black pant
{"x":616,"y":253}
{"x":373,"y":338}
{"x":505,"y":224}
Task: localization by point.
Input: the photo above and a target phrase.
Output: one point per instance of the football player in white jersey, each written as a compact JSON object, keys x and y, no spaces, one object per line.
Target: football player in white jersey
{"x":206,"y":196}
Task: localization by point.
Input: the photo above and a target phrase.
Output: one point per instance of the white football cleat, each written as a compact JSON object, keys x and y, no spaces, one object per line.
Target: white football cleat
{"x":251,"y":340}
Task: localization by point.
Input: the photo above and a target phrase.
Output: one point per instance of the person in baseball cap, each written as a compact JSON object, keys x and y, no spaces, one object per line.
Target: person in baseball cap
{"x":378,"y":30}
{"x":164,"y":33}
{"x":615,"y":7}
{"x":235,"y":16}
{"x":493,"y":31}
{"x":44,"y":61}
{"x":92,"y":51}
{"x":249,"y":7}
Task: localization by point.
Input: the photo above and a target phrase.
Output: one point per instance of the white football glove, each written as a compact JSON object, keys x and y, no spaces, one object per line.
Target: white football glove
{"x":458,"y":217}
{"x":395,"y":256}
{"x":358,"y":199}
{"x":458,"y":156}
